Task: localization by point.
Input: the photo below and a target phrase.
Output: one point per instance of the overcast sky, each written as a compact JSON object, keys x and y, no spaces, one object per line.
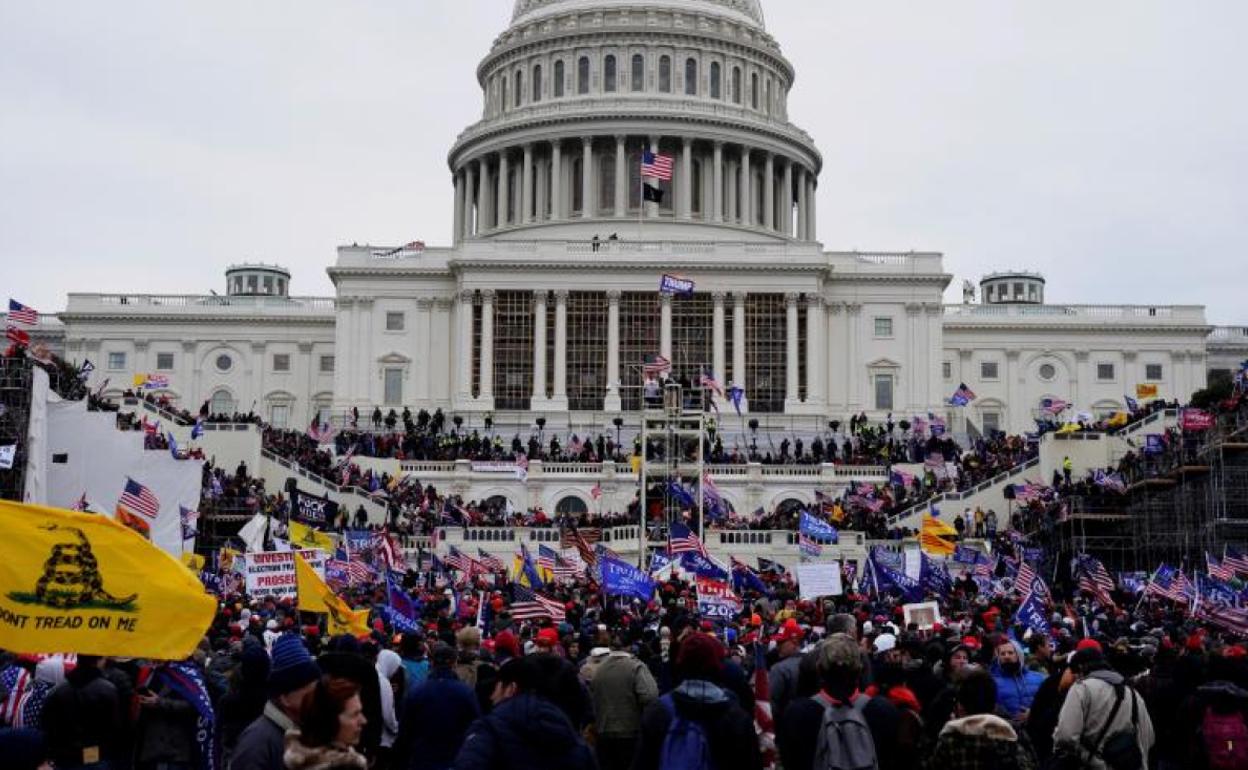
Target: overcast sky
{"x":145,"y":145}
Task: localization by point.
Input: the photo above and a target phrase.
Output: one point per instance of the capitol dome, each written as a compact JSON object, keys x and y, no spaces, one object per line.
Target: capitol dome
{"x":575,"y":91}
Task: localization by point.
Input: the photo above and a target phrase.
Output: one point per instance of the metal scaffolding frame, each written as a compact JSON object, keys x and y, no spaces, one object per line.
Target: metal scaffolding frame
{"x":15,"y":395}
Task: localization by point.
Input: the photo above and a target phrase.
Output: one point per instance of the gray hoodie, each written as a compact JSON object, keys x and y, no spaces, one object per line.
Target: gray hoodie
{"x":1087,"y":709}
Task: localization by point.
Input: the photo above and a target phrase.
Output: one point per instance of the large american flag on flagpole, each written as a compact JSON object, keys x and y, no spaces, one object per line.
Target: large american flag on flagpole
{"x":682,"y":540}
{"x":657,"y":166}
{"x":530,"y":605}
{"x":28,"y":316}
{"x":139,"y":499}
{"x":1095,"y":579}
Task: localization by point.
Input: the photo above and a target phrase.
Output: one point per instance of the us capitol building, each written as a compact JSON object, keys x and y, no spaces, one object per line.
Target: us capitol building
{"x":546,"y":301}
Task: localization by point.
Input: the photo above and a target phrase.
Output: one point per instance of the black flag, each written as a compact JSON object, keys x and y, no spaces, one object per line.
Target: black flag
{"x":651,"y":193}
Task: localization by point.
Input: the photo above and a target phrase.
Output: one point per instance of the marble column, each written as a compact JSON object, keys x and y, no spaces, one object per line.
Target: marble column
{"x":665,"y":326}
{"x":786,"y":200}
{"x":504,"y":190}
{"x":812,"y":225}
{"x":791,"y":350}
{"x":542,"y":193}
{"x":746,"y":202}
{"x":717,"y":183}
{"x":587,"y":178}
{"x":557,"y":209}
{"x":539,"y":347}
{"x":738,"y":345}
{"x":526,"y":192}
{"x":816,"y":348}
{"x":461,"y":205}
{"x":730,"y":191}
{"x":485,"y":211}
{"x":560,"y":397}
{"x":464,"y":313}
{"x":621,"y":178}
{"x":612,"y":402}
{"x":769,"y":192}
{"x":718,"y":347}
{"x":802,"y":234}
{"x":486,"y":374}
{"x":686,"y":178}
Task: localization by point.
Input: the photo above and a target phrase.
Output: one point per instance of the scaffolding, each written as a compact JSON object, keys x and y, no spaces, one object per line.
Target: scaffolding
{"x":15,"y":395}
{"x":673,"y":439}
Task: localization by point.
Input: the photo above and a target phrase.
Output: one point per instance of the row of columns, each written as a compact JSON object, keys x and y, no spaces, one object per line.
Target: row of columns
{"x":484,"y":203}
{"x":558,"y":398}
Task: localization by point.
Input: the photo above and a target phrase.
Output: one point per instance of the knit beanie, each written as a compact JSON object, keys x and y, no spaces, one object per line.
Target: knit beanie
{"x":292,"y":666}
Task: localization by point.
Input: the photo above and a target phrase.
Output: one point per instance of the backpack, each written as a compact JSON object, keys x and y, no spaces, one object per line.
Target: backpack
{"x":844,"y":741}
{"x":1225,"y":737}
{"x":686,"y":746}
{"x":1120,"y":751}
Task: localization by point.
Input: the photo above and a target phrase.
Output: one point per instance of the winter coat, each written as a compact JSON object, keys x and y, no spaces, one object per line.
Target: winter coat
{"x":524,"y":732}
{"x":83,"y":713}
{"x":622,"y":688}
{"x":1087,"y":709}
{"x":783,"y":680}
{"x":263,"y":743}
{"x":297,"y":756}
{"x":165,"y":731}
{"x":436,"y":717}
{"x":729,"y":730}
{"x":1015,"y":692}
{"x":980,"y":742}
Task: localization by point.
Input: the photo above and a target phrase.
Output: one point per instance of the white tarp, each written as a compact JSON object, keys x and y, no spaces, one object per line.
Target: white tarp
{"x":85,"y":454}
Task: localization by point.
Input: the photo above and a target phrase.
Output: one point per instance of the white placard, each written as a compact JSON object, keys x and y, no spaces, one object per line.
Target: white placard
{"x":912,"y":563}
{"x":272,"y":573}
{"x":923,"y":614}
{"x":816,"y":580}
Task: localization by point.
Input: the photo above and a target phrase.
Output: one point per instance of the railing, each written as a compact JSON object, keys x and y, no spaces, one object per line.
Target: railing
{"x":88,"y":302}
{"x":304,"y":473}
{"x":1145,"y":313}
{"x":1127,"y":430}
{"x":1228,"y":334}
{"x":965,"y":493}
{"x":539,"y":468}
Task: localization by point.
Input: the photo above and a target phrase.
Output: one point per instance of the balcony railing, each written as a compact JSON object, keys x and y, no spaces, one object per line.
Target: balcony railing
{"x":197,"y":303}
{"x":1145,"y":314}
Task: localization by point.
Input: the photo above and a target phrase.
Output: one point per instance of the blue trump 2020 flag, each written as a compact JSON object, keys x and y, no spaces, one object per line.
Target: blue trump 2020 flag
{"x":818,"y":529}
{"x":694,"y":562}
{"x":888,"y":579}
{"x":620,"y":579}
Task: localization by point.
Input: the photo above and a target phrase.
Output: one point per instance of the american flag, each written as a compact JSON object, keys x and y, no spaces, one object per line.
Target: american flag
{"x":137,"y":498}
{"x":985,"y":569}
{"x":18,"y":682}
{"x":358,"y":572}
{"x":1095,"y":579}
{"x":657,"y":166}
{"x":490,"y":561}
{"x":582,"y":540}
{"x":1025,"y":578}
{"x":1234,"y":620}
{"x":962,"y":396}
{"x":1054,"y":405}
{"x":708,"y":381}
{"x":28,"y":316}
{"x":654,"y":365}
{"x":682,"y":540}
{"x":596,"y":491}
{"x":16,"y":335}
{"x":1169,"y":583}
{"x":457,"y":559}
{"x":546,"y":557}
{"x":764,"y":725}
{"x":1220,"y":571}
{"x":391,"y":554}
{"x":1237,"y":561}
{"x":529,"y":605}
{"x":566,"y":570}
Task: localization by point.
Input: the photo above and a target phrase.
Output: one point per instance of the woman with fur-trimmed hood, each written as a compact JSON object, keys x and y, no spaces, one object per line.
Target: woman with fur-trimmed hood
{"x":978,"y":739}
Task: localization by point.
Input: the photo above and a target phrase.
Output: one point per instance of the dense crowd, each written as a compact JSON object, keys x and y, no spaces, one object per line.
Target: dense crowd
{"x":605,"y":681}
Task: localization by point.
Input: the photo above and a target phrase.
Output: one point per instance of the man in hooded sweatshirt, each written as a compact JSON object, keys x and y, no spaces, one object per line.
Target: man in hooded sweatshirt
{"x":978,"y":739}
{"x":700,"y":698}
{"x":1016,"y":686}
{"x":524,"y":731}
{"x":1089,"y":707}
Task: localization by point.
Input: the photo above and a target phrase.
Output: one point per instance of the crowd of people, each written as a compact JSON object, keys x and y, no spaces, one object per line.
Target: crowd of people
{"x":612,"y":682}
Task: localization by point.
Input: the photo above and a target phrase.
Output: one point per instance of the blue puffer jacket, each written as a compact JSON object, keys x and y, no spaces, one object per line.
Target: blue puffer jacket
{"x":525,"y":732}
{"x":1015,"y":692}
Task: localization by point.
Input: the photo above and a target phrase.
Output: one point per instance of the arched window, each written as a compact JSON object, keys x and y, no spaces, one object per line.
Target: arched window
{"x":639,"y":72}
{"x":609,"y":74}
{"x":537,"y":83}
{"x":571,"y":505}
{"x":221,"y":403}
{"x":736,"y":85}
{"x":691,"y":77}
{"x":582,"y":75}
{"x":715,"y":89}
{"x":519,"y":89}
{"x":665,"y":74}
{"x":754,"y":90}
{"x":559,"y":79}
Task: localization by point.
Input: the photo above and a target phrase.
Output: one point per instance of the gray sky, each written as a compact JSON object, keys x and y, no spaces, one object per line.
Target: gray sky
{"x":146,"y":145}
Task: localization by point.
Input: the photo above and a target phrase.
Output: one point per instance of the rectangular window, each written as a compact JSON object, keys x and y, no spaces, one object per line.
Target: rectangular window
{"x":989,"y":370}
{"x":327,"y":364}
{"x":281,"y":362}
{"x":394,"y":387}
{"x":991,"y":423}
{"x":116,"y":360}
{"x":394,"y":321}
{"x":279,"y":415}
{"x":164,"y":361}
{"x":883,"y":327}
{"x":1153,"y":372}
{"x":884,"y":392}
{"x":946,"y":370}
{"x":1105,"y":372}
